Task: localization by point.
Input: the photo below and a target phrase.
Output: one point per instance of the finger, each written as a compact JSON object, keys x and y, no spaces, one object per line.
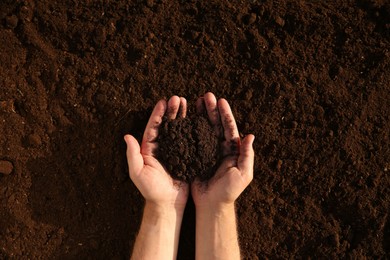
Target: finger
{"x":246,"y":158}
{"x":212,"y":111}
{"x":134,"y":156}
{"x":200,"y":108}
{"x":173,"y":107}
{"x":183,"y":107}
{"x":231,"y":147}
{"x":228,"y":121}
{"x":151,"y":130}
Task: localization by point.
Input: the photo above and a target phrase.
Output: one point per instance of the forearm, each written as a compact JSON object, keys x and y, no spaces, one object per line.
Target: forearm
{"x":216,"y":233}
{"x":158,"y":237}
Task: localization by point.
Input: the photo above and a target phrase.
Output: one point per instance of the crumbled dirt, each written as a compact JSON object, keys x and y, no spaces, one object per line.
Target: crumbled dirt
{"x":309,"y":78}
{"x":6,"y":167}
{"x":188,"y":148}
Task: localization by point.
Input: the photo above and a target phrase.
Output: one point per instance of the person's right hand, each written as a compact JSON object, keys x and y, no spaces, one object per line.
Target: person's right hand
{"x":149,"y":176}
{"x":236,"y":170}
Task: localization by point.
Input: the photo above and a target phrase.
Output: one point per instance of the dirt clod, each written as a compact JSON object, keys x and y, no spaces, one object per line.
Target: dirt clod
{"x":188,"y":148}
{"x":7,"y":106}
{"x":280,"y":21}
{"x":6,"y":167}
{"x":100,"y":36}
{"x":150,"y":3}
{"x":279,"y":165}
{"x":34,"y":140}
{"x":12,"y":21}
{"x":251,"y":18}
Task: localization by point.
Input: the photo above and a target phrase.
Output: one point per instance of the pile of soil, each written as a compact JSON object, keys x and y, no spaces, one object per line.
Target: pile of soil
{"x":310,"y":79}
{"x":188,"y":148}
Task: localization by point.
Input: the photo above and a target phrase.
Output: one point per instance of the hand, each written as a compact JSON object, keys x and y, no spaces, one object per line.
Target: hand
{"x":236,"y":170}
{"x":149,"y":176}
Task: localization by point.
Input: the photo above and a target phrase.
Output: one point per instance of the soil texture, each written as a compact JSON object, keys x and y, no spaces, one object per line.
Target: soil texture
{"x":188,"y":148}
{"x":310,"y":79}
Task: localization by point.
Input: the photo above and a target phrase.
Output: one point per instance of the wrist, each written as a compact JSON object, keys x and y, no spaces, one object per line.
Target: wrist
{"x":163,"y":209}
{"x":216,"y":232}
{"x":159,"y":232}
{"x":215,"y":209}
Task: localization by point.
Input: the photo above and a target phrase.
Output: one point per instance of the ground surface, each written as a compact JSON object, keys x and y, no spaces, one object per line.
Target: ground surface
{"x":309,"y":78}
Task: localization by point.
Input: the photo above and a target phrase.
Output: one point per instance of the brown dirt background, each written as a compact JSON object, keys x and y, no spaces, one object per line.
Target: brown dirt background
{"x":309,"y":78}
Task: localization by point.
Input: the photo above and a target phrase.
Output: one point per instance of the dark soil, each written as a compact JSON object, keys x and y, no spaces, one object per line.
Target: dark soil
{"x":188,"y":148}
{"x":309,"y":78}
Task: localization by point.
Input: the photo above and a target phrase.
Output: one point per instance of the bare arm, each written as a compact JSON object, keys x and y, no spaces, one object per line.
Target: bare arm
{"x":165,"y":198}
{"x":158,"y":237}
{"x":216,"y":233}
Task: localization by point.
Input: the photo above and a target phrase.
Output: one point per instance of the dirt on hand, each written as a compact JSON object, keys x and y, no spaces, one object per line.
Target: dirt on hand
{"x":188,"y":148}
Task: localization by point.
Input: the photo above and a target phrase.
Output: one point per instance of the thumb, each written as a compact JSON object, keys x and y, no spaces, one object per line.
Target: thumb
{"x":134,"y":156}
{"x":246,"y":157}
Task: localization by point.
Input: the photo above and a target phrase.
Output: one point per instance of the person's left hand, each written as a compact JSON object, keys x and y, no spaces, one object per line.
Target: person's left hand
{"x":149,"y":176}
{"x":236,"y":169}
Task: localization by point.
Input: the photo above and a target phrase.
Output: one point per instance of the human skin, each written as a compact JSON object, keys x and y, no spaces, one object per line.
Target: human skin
{"x":216,"y":228}
{"x":165,"y":198}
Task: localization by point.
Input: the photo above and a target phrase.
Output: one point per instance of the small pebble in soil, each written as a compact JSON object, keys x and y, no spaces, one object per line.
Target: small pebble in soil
{"x":294,"y":124}
{"x":150,"y":3}
{"x":252,"y":18}
{"x":100,"y":36}
{"x":11,"y":21}
{"x":279,"y":165}
{"x":26,"y":13}
{"x":34,"y":140}
{"x":6,"y":167}
{"x":7,"y":106}
{"x":194,"y":35}
{"x":249,"y":94}
{"x":280,"y":21}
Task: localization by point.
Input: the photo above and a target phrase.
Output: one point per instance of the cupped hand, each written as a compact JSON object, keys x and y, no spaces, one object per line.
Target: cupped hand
{"x":149,"y":176}
{"x":236,"y":169}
